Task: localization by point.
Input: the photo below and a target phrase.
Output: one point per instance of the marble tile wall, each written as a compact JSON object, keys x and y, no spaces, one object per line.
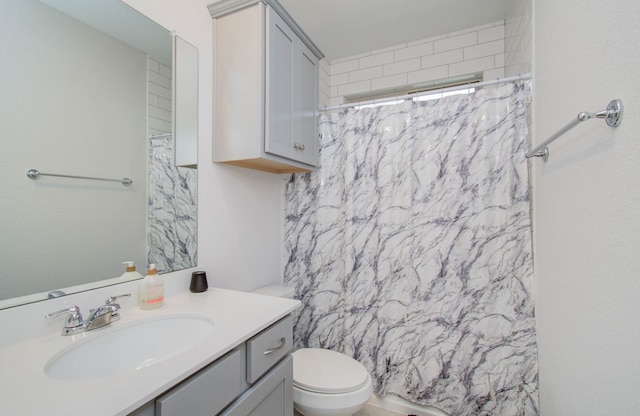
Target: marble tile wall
{"x":410,"y":249}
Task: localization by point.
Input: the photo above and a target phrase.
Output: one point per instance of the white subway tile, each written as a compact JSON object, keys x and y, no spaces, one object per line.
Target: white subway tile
{"x":323,"y":70}
{"x":416,"y":51}
{"x":401,"y":67}
{"x":430,"y":74}
{"x":484,"y":49}
{"x":339,"y":79}
{"x":363,"y":74}
{"x":336,"y":101}
{"x":324,"y":77}
{"x":472,"y":66}
{"x":159,"y":124}
{"x":444,"y":58}
{"x":455,"y":42}
{"x":159,"y":113}
{"x":159,"y":90}
{"x":499,"y":60}
{"x":354,"y":88}
{"x":349,"y":58}
{"x":375,"y":60}
{"x":323,"y":83}
{"x":430,"y":39}
{"x":470,"y":29}
{"x":166,"y":71}
{"x":165,"y":104}
{"x":158,"y":79}
{"x":342,"y":67}
{"x":391,"y":48}
{"x":152,"y":99}
{"x":153,"y":65}
{"x":324,"y":99}
{"x":389,"y":82}
{"x":490,"y":34}
{"x":493,"y":74}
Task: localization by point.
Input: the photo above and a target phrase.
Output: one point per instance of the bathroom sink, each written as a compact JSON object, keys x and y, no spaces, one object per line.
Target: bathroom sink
{"x":112,"y":351}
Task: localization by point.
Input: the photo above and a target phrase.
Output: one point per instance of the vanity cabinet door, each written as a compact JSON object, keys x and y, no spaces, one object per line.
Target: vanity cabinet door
{"x":207,"y":392}
{"x":271,"y":396}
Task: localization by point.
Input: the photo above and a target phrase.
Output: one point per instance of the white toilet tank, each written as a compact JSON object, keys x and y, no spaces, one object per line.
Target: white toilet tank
{"x":276,"y":290}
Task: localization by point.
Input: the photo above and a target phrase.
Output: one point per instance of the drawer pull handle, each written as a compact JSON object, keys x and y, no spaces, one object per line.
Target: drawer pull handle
{"x":272,"y":350}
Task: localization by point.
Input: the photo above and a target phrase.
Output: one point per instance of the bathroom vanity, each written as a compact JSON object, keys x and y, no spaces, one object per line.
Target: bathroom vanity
{"x":224,"y":352}
{"x":255,"y":378}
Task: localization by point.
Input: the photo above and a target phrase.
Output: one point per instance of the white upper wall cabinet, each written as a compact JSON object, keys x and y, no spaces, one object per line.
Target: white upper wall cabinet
{"x":265,"y":88}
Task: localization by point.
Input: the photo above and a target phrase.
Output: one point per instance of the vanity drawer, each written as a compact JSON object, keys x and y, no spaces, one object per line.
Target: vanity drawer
{"x":268,"y":347}
{"x":207,"y":392}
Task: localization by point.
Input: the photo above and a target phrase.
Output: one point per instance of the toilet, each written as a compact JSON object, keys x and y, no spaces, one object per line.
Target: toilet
{"x":325,"y":382}
{"x":328,"y":383}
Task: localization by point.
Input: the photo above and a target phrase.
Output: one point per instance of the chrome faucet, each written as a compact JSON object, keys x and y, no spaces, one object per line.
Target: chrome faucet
{"x":99,"y":317}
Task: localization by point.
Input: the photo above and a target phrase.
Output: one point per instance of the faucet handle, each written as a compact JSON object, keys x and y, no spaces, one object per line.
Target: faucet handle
{"x":73,"y":320}
{"x":112,"y":299}
{"x":111,"y":305}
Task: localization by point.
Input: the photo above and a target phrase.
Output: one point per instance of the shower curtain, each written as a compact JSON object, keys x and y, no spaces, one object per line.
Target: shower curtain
{"x":410,"y":250}
{"x":172,"y":211}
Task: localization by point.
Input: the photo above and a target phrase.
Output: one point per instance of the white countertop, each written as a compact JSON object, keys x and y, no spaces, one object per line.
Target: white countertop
{"x":26,"y":390}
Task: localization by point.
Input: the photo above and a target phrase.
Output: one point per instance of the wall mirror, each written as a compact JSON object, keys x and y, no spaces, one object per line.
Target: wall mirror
{"x":89,"y":89}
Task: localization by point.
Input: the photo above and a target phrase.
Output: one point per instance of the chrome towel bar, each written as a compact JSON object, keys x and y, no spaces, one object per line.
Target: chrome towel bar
{"x":612,"y":115}
{"x":35,"y":174}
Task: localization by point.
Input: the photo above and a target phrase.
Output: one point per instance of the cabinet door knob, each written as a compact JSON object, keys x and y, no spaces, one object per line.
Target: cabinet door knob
{"x":298,"y":146}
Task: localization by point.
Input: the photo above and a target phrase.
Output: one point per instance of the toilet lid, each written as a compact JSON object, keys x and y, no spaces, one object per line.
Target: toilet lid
{"x":325,"y":371}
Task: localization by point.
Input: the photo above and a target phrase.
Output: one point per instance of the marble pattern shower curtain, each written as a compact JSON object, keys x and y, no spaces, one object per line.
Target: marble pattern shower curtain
{"x":172,"y":220}
{"x":410,"y":250}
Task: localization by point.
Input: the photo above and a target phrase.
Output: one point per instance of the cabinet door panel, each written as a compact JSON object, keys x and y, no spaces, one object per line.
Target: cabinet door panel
{"x":271,"y":396}
{"x":280,"y":86}
{"x":307,"y":106}
{"x":207,"y":392}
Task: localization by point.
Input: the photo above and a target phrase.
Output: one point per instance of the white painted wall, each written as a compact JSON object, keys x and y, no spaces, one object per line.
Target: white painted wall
{"x":587,"y":208}
{"x":239,"y":211}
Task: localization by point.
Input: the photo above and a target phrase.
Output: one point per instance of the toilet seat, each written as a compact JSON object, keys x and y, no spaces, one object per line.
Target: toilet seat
{"x":324,"y":371}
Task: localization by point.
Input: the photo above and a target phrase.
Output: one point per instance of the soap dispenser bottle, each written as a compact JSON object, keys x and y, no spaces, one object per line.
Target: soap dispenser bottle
{"x":130,"y":272}
{"x":151,"y":290}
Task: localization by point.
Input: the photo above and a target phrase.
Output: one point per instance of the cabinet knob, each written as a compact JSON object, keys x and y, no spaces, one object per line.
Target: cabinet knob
{"x":298,"y":146}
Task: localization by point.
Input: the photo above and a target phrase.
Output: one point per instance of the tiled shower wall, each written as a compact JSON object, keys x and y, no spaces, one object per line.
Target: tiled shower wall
{"x":424,"y":63}
{"x":159,"y":98}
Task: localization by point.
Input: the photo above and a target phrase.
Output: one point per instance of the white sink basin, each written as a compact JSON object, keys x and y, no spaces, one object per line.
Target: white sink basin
{"x":114,"y":351}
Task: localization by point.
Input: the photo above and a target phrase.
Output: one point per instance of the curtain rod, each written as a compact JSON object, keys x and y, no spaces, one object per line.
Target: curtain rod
{"x":433,"y":91}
